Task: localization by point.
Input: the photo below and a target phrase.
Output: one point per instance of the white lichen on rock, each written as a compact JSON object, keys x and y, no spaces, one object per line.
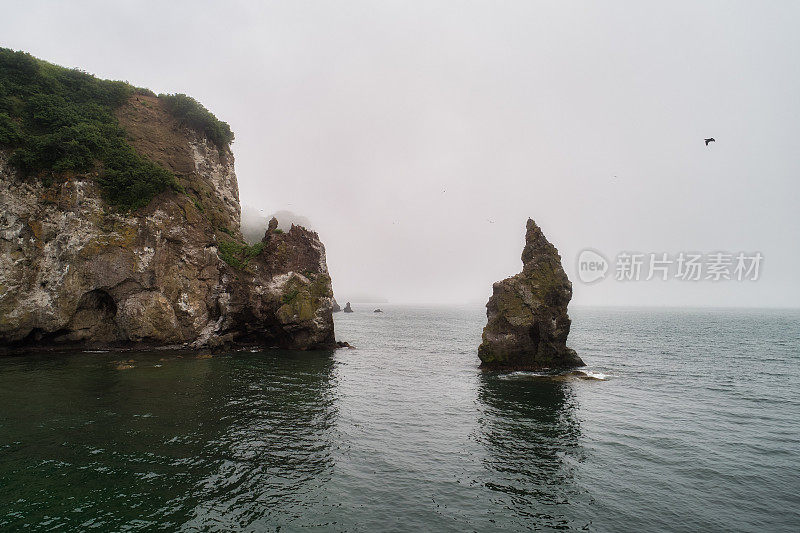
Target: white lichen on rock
{"x":74,"y":271}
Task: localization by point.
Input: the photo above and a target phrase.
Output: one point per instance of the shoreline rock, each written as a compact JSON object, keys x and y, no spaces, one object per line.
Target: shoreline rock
{"x":78,"y":274}
{"x":347,"y":308}
{"x":527,"y":321}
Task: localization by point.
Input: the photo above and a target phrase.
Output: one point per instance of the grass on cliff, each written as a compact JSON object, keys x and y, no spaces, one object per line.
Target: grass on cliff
{"x":237,"y":254}
{"x":56,"y":120}
{"x":194,"y":115}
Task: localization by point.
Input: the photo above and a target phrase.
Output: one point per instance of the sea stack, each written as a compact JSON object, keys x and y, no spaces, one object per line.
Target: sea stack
{"x":528,"y":324}
{"x":347,"y":308}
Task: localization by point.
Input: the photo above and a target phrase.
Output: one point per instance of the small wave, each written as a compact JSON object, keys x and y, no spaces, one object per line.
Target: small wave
{"x":523,"y":374}
{"x":589,"y":375}
{"x":557,"y":376}
{"x":596,"y":375}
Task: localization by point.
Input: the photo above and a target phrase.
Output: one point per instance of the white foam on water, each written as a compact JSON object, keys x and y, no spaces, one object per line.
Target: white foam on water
{"x":578,"y":374}
{"x":596,"y":375}
{"x":523,"y":374}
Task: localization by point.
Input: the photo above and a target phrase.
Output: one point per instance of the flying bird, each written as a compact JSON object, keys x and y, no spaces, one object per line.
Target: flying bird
{"x":710,"y":140}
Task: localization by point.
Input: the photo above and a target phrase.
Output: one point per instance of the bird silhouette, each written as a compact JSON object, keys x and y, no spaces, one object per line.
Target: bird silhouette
{"x":710,"y":140}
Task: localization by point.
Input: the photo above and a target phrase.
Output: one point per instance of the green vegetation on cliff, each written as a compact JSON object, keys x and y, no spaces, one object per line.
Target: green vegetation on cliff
{"x":55,"y":120}
{"x":198,"y":117}
{"x":238,"y":254}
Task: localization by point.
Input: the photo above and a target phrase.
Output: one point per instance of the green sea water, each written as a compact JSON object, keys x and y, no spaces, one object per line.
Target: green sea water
{"x":691,"y":424}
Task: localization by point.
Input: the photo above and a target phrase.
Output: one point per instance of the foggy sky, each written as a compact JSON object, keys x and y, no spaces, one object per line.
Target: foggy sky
{"x":419,"y":136}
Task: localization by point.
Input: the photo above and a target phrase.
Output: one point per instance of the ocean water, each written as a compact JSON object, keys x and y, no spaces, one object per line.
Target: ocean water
{"x":685,"y":420}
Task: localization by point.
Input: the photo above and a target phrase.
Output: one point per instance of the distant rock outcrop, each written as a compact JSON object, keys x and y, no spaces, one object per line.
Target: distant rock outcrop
{"x":378,"y":311}
{"x":336,"y":307}
{"x":527,"y":313}
{"x":347,"y":308}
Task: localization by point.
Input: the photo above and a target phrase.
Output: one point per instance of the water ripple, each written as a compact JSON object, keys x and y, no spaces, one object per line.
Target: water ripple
{"x":685,"y":421}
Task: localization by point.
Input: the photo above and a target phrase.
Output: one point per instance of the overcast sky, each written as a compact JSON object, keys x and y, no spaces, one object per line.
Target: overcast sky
{"x":419,"y":136}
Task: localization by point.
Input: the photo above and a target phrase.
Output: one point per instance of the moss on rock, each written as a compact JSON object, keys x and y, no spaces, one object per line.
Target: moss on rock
{"x":527,"y":324}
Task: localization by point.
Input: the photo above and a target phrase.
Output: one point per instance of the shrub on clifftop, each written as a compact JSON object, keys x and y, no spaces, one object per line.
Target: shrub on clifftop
{"x":198,"y":117}
{"x":54,"y":120}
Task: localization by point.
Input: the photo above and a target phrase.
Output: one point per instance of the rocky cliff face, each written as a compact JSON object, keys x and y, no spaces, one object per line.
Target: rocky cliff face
{"x":527,"y":313}
{"x":75,"y":272}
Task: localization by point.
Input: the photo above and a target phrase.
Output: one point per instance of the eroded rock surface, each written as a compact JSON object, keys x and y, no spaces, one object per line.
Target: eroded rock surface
{"x":285,"y":292}
{"x":528,"y":324}
{"x":75,"y":272}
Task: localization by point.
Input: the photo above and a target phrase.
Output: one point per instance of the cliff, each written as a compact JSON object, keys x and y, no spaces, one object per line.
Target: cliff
{"x":528,"y":325}
{"x":83,"y":266}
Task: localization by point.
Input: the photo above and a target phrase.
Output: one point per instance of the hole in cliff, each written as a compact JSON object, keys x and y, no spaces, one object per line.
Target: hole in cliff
{"x":38,"y":337}
{"x":92,"y":321}
{"x":534,"y":334}
{"x":100,"y":301}
{"x":214,"y":310}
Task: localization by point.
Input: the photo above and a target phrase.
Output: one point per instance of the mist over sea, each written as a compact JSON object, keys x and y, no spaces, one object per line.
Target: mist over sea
{"x":688,"y":423}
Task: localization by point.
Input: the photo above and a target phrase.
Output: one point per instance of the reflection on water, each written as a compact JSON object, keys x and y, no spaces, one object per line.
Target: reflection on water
{"x":199,"y":443}
{"x":274,"y":450}
{"x":531,"y":432}
{"x":406,"y":434}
